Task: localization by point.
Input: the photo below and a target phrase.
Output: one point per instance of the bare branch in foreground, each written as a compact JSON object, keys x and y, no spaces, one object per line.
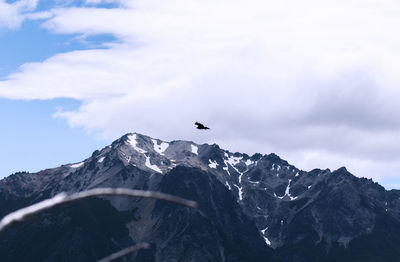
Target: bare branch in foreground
{"x":62,"y":198}
{"x":124,"y":252}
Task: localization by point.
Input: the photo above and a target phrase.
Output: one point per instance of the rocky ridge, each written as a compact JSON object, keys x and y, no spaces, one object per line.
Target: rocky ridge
{"x":287,"y":210}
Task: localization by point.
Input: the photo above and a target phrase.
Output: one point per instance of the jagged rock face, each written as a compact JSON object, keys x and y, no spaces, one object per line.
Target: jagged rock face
{"x":220,"y":215}
{"x":248,"y":205}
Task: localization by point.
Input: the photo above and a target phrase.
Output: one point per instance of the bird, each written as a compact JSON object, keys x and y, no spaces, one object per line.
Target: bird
{"x":201,"y":126}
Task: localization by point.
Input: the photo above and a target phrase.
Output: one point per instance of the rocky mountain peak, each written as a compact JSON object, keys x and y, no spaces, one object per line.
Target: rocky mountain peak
{"x":291,"y":209}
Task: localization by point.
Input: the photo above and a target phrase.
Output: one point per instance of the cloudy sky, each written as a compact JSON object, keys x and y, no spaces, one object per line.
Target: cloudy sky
{"x":314,"y":81}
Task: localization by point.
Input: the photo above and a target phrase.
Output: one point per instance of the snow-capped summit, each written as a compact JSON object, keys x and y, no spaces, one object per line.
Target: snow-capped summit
{"x":247,"y":204}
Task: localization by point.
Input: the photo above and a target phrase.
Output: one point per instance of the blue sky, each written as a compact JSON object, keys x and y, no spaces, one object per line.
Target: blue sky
{"x":30,"y":43}
{"x":33,"y":43}
{"x":32,"y":139}
{"x":314,"y":82}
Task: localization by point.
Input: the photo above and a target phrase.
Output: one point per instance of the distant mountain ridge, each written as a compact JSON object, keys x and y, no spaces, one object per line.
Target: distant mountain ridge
{"x":257,"y":207}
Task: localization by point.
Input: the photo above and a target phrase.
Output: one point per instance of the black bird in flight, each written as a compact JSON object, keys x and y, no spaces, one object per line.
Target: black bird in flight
{"x":200,"y":126}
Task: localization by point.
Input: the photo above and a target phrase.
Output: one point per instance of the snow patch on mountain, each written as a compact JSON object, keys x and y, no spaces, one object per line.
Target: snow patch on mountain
{"x":249,"y":162}
{"x":276,"y":167}
{"x":213,"y":164}
{"x":160,"y":148}
{"x":232,"y":160}
{"x":226,"y":168}
{"x":195,"y":149}
{"x":77,"y":165}
{"x":287,"y":192}
{"x":265,"y":238}
{"x":153,"y":167}
{"x":133,"y":143}
{"x":240,"y":192}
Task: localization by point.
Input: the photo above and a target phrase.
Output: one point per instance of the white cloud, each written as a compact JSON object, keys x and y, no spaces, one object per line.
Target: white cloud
{"x":12,"y":15}
{"x":314,"y":81}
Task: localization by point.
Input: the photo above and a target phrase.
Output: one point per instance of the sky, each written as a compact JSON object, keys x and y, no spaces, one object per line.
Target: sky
{"x":315,"y":82}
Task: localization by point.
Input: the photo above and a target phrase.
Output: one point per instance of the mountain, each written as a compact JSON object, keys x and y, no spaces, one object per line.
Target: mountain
{"x":251,"y":208}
